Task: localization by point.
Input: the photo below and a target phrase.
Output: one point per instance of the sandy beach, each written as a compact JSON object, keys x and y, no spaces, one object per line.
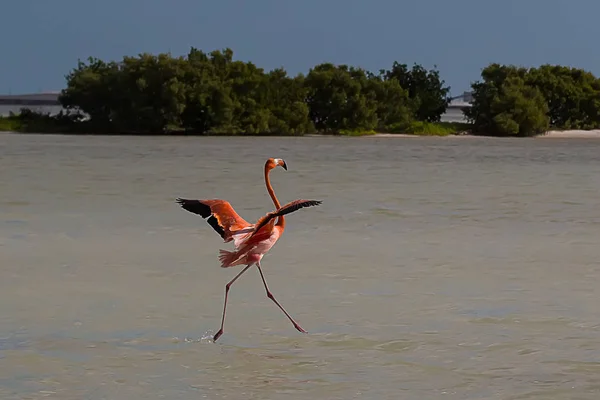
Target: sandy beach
{"x":591,"y":134}
{"x":566,"y":134}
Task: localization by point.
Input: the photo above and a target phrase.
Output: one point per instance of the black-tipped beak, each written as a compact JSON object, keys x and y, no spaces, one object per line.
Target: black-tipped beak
{"x":284,"y":166}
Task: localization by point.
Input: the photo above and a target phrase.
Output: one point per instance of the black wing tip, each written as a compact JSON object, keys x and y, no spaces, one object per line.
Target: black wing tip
{"x":194,"y":206}
{"x":309,"y":203}
{"x":185,"y":203}
{"x":287,"y":210}
{"x":181,"y":200}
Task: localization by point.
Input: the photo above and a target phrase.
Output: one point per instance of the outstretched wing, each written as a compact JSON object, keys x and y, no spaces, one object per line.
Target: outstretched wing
{"x":220,"y":215}
{"x":286,"y":209}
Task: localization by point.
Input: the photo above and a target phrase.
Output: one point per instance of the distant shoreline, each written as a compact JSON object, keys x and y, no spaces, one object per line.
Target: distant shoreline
{"x":566,"y":134}
{"x":553,"y":134}
{"x":573,"y":133}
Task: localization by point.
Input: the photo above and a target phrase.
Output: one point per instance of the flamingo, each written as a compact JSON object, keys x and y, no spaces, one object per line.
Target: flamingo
{"x":251,"y":241}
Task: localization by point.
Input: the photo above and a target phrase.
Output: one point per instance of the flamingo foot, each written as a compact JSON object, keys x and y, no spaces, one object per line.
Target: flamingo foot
{"x":217,"y":335}
{"x":299,"y":328}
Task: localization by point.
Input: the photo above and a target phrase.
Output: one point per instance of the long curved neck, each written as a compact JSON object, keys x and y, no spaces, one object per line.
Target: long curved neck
{"x":270,"y":189}
{"x":281,"y":219}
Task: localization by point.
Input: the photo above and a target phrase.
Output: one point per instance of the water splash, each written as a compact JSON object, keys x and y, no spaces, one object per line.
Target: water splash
{"x":207,"y":337}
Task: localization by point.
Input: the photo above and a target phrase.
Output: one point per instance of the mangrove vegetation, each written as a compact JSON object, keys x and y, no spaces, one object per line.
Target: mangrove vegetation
{"x":213,"y":94}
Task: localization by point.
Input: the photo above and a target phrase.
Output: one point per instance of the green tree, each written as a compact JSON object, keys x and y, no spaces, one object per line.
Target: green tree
{"x":152,"y":93}
{"x":394,"y":112}
{"x":338,"y":98}
{"x":227,"y":96}
{"x":209,"y":104}
{"x":285,"y":98}
{"x":573,"y":95}
{"x":486,"y":91}
{"x":516,"y":109}
{"x":425,"y":88}
{"x":138,"y":94}
{"x":92,"y":88}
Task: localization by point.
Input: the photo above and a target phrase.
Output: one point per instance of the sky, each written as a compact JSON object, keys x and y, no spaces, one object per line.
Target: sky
{"x":41,"y":40}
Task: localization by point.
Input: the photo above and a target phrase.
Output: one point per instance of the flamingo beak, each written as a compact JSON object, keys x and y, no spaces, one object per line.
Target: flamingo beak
{"x":280,"y":162}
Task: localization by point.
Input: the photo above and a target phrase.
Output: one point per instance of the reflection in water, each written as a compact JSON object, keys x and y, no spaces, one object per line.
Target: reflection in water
{"x":435,"y":268}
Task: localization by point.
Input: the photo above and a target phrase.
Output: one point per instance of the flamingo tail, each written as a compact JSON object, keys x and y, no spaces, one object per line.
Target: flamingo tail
{"x":229,"y":258}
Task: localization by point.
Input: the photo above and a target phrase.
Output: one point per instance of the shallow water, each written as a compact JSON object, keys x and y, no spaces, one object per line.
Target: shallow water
{"x":456,"y":268}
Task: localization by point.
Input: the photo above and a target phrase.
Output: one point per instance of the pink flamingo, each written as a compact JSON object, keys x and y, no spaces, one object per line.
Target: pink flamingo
{"x":252,"y":241}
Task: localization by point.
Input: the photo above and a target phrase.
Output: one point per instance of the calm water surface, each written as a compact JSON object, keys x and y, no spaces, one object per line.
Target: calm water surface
{"x":435,"y":268}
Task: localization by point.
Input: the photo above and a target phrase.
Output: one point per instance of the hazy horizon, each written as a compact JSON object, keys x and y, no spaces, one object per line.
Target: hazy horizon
{"x":43,"y":41}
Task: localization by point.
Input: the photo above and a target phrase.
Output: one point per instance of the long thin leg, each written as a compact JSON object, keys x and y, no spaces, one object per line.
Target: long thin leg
{"x":218,"y":334}
{"x":270,"y":295}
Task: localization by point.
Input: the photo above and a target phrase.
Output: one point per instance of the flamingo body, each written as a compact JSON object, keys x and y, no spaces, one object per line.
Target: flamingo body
{"x":252,"y":250}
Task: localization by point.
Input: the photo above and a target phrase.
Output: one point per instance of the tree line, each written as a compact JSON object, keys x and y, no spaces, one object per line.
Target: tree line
{"x":211,"y":93}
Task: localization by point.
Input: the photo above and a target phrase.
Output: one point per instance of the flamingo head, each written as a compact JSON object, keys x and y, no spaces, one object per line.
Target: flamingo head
{"x":274,"y":163}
